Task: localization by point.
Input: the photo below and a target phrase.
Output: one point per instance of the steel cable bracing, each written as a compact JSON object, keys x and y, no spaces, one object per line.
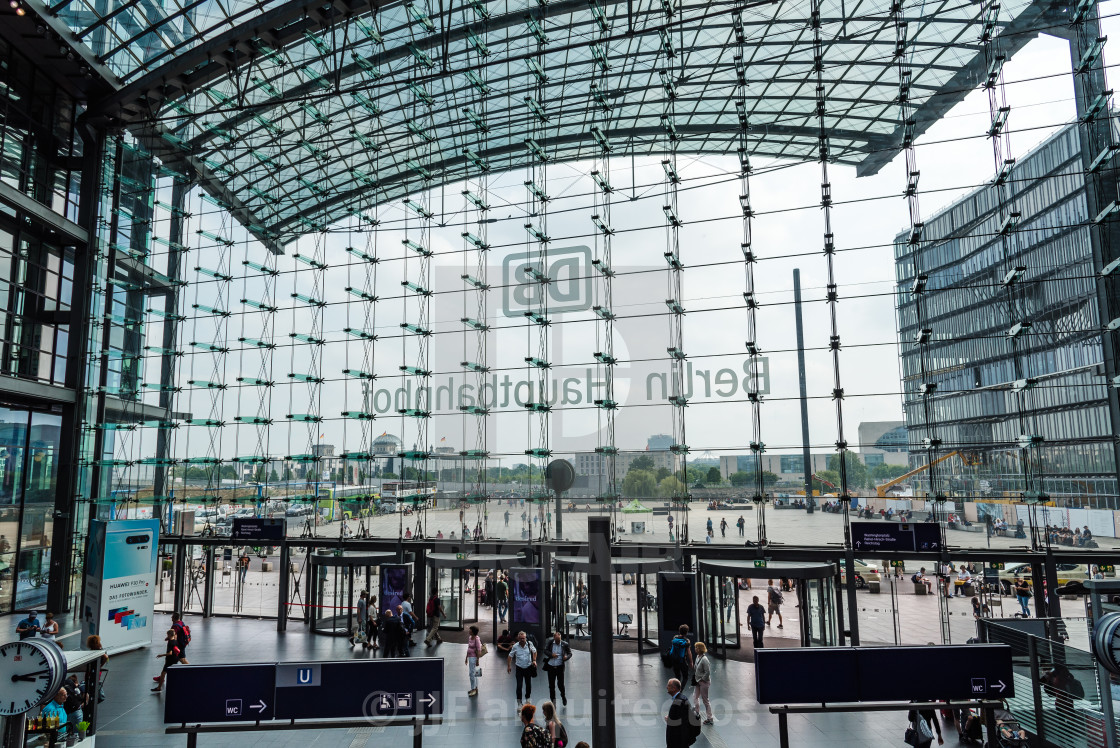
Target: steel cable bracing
{"x":600,"y":111}
{"x":476,"y":320}
{"x":1098,"y":148}
{"x":750,"y":291}
{"x":1009,"y":242}
{"x":671,"y":62}
{"x":931,"y":443}
{"x":831,"y":293}
{"x":535,"y":274}
{"x":418,"y":268}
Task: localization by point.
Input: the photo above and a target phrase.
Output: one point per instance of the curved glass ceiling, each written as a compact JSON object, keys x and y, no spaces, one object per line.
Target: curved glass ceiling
{"x":380,"y":104}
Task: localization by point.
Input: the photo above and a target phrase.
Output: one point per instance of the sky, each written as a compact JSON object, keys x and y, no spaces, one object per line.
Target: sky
{"x":953,"y":156}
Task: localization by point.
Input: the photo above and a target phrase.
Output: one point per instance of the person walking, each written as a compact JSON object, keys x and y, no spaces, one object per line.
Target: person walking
{"x":723,"y":527}
{"x":474,"y":654}
{"x":921,"y":720}
{"x":756,"y":621}
{"x":501,"y":591}
{"x":182,"y":633}
{"x":741,"y":523}
{"x":532,"y":734}
{"x":558,"y":652}
{"x":523,"y":657}
{"x":1023,"y":595}
{"x":171,"y":656}
{"x":434,"y":611}
{"x":703,"y":678}
{"x":680,"y":654}
{"x":679,"y":729}
{"x":360,"y":618}
{"x":557,"y":735}
{"x":709,"y":528}
{"x":774,"y":602}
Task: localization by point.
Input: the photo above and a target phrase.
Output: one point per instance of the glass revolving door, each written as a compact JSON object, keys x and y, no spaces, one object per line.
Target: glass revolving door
{"x":337,"y":579}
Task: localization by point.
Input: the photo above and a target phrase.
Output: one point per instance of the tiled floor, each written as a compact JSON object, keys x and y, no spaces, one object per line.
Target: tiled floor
{"x":132,"y":715}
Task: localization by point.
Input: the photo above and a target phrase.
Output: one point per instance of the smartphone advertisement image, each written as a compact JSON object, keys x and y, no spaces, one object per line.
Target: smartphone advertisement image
{"x":526,"y":596}
{"x":120,"y":581}
{"x":394,"y":586}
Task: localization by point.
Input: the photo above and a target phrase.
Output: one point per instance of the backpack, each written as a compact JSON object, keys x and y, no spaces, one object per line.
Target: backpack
{"x":775,"y":596}
{"x":432,"y":607}
{"x":677,"y":649}
{"x":561,"y":736}
{"x":184,"y":632}
{"x":74,"y":698}
{"x":538,"y":738}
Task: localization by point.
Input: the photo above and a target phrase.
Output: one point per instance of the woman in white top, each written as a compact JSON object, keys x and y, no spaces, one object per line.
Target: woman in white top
{"x":50,"y":628}
{"x":702,"y":673}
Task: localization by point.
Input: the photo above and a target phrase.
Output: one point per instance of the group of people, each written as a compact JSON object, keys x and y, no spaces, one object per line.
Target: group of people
{"x":1079,"y":537}
{"x":32,"y":627}
{"x":758,"y":618}
{"x":392,"y":629}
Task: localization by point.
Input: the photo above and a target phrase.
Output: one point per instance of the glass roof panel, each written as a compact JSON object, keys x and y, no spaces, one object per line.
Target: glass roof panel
{"x":394,"y":99}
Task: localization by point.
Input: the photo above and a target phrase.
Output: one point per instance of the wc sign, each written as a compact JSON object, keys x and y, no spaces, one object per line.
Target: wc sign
{"x":566,"y":280}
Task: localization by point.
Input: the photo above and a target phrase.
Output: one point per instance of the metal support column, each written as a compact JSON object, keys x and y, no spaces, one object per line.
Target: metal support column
{"x":602,"y":635}
{"x":283,"y":591}
{"x":806,"y":458}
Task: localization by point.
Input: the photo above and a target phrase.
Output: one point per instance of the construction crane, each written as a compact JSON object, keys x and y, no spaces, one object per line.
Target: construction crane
{"x":881,"y":491}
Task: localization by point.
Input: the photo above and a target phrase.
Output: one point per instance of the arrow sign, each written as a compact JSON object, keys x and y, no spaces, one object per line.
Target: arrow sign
{"x":259,"y":707}
{"x":430,"y":701}
{"x":1002,"y":686}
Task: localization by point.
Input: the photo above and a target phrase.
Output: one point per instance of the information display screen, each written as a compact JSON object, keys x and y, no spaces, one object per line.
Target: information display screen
{"x":266,"y":529}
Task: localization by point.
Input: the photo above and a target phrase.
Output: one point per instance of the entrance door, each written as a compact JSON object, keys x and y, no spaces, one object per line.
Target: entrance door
{"x":449,"y":585}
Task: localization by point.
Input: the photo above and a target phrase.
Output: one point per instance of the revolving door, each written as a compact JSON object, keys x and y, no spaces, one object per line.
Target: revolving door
{"x":464,"y":582}
{"x":633,"y":592}
{"x":336,"y":580}
{"x":728,"y":586}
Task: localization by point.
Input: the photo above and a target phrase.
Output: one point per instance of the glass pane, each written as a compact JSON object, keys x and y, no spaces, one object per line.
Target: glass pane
{"x":36,"y":523}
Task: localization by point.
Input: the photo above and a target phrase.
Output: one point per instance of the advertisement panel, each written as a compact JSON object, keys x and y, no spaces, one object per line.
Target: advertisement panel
{"x":396,"y":581}
{"x":525,"y":610}
{"x":120,"y":582}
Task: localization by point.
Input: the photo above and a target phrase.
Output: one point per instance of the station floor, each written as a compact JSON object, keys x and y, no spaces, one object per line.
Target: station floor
{"x":132,"y":715}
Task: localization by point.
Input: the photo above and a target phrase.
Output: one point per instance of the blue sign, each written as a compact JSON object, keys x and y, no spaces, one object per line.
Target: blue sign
{"x":220,"y":693}
{"x":353,"y":689}
{"x":891,"y":536}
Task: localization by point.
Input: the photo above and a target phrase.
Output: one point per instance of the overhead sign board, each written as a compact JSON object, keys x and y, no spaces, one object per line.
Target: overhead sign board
{"x":265,"y":529}
{"x":350,"y":689}
{"x":901,"y":536}
{"x":353,"y":689}
{"x":869,"y":674}
{"x":220,"y":693}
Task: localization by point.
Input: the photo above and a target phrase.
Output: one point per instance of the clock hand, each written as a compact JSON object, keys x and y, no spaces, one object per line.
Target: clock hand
{"x":28,"y":676}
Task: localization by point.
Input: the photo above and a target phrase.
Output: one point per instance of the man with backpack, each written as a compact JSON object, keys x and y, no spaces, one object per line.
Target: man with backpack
{"x":182,"y":633}
{"x":680,"y":654}
{"x":435,"y":614}
{"x":741,"y":523}
{"x":774,"y":602}
{"x":75,"y":701}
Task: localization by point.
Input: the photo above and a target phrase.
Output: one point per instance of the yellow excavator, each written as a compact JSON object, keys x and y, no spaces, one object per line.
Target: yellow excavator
{"x":881,"y":490}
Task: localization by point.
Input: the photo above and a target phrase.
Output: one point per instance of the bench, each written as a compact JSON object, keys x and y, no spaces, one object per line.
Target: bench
{"x":920,"y":588}
{"x":873,"y":586}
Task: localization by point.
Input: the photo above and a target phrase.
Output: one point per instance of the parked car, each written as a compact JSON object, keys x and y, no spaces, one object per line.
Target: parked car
{"x":869,"y":572}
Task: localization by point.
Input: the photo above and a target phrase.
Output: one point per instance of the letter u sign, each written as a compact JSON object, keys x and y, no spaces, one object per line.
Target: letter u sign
{"x":303,"y":676}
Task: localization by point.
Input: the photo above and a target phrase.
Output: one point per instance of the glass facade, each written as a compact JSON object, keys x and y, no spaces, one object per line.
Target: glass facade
{"x":991,"y":386}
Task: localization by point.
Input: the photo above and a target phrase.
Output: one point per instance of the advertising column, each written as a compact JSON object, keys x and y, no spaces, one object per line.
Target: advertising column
{"x":525,"y":611}
{"x":120,"y":581}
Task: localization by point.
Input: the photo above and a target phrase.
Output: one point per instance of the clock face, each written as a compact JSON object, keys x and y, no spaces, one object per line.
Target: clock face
{"x":1106,"y":642}
{"x":29,"y":676}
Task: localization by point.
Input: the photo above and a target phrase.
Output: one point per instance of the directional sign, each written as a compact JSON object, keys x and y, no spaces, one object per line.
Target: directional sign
{"x":898,"y":564}
{"x":258,"y":528}
{"x":997,"y":565}
{"x":1106,"y":568}
{"x":220,"y":693}
{"x":888,"y":536}
{"x":965,"y":671}
{"x":760,"y":563}
{"x":353,"y":689}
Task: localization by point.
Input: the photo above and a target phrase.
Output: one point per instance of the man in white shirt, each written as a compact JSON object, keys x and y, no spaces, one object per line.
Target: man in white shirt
{"x":964,"y":577}
{"x":523,"y":657}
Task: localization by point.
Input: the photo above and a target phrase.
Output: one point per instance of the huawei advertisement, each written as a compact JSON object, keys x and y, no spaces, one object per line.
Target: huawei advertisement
{"x":120,"y":581}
